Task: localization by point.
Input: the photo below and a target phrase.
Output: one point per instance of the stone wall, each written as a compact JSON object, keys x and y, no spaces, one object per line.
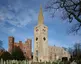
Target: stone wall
{"x":56,"y":53}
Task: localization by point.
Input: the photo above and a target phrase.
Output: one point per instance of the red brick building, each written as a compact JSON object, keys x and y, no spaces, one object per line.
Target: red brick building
{"x":25,"y":47}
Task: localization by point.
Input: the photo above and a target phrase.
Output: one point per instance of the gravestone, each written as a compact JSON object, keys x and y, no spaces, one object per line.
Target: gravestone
{"x":73,"y":62}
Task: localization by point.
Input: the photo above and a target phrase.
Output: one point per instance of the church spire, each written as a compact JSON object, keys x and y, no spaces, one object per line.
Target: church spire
{"x":40,"y":17}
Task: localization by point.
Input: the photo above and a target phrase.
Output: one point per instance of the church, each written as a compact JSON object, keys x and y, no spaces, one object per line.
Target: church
{"x":42,"y":51}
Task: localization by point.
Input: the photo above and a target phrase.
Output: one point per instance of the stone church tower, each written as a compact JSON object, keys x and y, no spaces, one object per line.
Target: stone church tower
{"x":40,"y":40}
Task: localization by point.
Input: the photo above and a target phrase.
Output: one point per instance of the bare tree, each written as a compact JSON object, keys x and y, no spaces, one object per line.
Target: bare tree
{"x":77,"y":50}
{"x":71,"y":9}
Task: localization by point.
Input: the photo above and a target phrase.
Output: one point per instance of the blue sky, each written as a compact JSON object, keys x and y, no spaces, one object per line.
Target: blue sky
{"x":19,"y":17}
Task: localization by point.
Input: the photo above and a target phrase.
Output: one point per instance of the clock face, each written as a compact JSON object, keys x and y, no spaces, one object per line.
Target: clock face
{"x":37,"y":30}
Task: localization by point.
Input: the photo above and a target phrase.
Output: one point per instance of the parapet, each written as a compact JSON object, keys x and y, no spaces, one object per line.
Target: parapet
{"x":28,"y":41}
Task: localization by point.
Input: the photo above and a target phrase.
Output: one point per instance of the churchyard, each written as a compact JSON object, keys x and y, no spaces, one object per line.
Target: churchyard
{"x":30,"y":62}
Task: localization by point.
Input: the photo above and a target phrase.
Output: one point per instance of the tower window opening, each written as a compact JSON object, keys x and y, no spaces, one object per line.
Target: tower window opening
{"x":24,"y":52}
{"x":37,"y":52}
{"x":36,"y":58}
{"x":44,"y":27}
{"x":44,"y":30}
{"x":36,"y":38}
{"x":37,"y":55}
{"x":44,"y":38}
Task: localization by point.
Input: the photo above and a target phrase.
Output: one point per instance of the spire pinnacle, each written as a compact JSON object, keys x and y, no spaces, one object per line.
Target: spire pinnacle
{"x":40,"y":17}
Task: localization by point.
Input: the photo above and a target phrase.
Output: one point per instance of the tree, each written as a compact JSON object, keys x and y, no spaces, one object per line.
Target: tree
{"x":70,"y":50}
{"x":1,"y":43}
{"x":6,"y":56}
{"x":17,"y":53}
{"x":76,"y":52}
{"x":71,"y":9}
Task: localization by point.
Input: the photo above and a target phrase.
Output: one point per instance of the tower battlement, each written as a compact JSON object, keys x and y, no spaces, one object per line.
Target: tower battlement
{"x":25,"y":47}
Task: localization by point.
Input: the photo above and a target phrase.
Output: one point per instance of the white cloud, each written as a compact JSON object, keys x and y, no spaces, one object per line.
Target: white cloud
{"x":7,"y":30}
{"x":11,"y":30}
{"x":17,"y":14}
{"x":22,"y":19}
{"x":1,"y":18}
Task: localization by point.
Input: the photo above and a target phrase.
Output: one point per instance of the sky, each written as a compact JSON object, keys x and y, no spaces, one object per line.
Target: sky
{"x":19,"y":17}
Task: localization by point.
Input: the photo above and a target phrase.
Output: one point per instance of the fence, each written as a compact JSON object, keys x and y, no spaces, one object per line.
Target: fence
{"x":14,"y":62}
